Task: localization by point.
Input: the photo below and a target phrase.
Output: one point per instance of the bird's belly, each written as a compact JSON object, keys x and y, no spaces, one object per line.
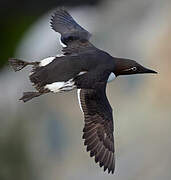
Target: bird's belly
{"x":111,"y":77}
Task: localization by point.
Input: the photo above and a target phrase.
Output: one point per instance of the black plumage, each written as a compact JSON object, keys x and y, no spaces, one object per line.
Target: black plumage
{"x":98,"y":129}
{"x":63,"y":23}
{"x":87,"y":68}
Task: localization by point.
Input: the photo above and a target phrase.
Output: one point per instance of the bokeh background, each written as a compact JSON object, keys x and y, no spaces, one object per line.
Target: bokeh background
{"x":41,"y":139}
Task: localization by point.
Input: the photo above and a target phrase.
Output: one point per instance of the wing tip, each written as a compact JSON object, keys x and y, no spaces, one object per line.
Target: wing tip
{"x":61,"y":10}
{"x":107,"y":165}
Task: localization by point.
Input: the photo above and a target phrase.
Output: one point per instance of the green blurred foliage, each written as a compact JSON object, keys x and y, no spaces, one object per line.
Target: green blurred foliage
{"x":12,"y":30}
{"x":14,"y":160}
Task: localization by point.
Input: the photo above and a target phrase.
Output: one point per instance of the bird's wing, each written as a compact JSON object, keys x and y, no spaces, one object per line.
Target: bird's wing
{"x":98,"y":129}
{"x":72,"y":34}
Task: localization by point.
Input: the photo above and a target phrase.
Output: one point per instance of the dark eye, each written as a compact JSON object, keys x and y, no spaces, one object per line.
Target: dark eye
{"x":134,"y":68}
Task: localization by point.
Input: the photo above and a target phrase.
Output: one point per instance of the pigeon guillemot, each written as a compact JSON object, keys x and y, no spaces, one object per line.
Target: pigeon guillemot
{"x":87,"y":68}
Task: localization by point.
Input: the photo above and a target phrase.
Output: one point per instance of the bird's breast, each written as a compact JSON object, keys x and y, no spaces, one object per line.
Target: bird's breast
{"x":112,"y":76}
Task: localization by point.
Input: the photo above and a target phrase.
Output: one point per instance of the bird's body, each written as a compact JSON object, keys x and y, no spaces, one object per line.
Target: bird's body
{"x":80,"y":70}
{"x":87,"y":68}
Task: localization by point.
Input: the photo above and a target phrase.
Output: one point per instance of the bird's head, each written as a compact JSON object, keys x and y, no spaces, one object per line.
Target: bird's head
{"x":128,"y":67}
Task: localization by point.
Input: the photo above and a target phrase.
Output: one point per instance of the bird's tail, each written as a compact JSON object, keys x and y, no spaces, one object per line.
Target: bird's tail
{"x":18,"y":64}
{"x":29,"y":95}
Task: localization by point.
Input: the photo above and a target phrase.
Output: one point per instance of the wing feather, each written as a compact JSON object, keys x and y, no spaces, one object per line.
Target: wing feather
{"x":98,"y":128}
{"x":63,"y":23}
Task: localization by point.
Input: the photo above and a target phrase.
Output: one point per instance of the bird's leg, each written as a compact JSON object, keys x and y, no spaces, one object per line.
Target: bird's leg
{"x":30,"y":95}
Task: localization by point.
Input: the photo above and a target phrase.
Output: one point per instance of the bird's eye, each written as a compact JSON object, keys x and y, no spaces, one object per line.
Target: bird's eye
{"x":134,"y":68}
{"x":131,"y":69}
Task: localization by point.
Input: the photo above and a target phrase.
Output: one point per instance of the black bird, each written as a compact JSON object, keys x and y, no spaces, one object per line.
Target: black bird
{"x":87,"y":68}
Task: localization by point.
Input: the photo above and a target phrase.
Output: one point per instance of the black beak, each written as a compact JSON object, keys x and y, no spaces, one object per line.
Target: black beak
{"x":145,"y":70}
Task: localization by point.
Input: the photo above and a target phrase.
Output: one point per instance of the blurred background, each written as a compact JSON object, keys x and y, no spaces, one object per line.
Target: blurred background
{"x":41,"y":139}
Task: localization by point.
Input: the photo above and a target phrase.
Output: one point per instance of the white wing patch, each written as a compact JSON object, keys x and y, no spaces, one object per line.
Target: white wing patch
{"x":111,"y":77}
{"x":59,"y":55}
{"x":61,"y":86}
{"x":46,"y":61}
{"x":62,"y":44}
{"x":81,"y":73}
{"x":79,"y":100}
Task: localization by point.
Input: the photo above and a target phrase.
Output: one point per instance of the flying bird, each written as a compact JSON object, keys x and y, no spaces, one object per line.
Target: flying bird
{"x":88,"y":69}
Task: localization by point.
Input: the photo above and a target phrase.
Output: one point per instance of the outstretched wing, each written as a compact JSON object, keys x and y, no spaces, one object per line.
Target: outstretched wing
{"x":63,"y":23}
{"x":98,"y":129}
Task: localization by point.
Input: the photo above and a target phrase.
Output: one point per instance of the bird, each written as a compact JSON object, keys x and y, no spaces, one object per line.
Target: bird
{"x":84,"y":67}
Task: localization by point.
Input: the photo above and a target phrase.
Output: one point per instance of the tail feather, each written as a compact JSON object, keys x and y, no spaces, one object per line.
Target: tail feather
{"x":29,"y":95}
{"x":18,"y":64}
